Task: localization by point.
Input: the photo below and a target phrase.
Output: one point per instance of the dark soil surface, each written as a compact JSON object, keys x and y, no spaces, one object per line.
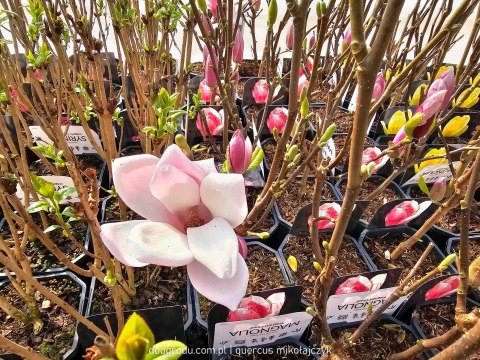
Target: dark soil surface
{"x":290,"y":203}
{"x":376,"y":247}
{"x":437,"y":319}
{"x":279,"y":353}
{"x":112,"y":212}
{"x":56,"y":336}
{"x":85,"y":162}
{"x":264,"y":272}
{"x":39,"y":256}
{"x":204,"y":151}
{"x":377,"y":343}
{"x":155,"y":286}
{"x":339,"y":141}
{"x":249,"y":68}
{"x":342,"y":118}
{"x":473,"y":248}
{"x":368,"y":187}
{"x":265,"y":226}
{"x":197,"y":68}
{"x":349,"y":261}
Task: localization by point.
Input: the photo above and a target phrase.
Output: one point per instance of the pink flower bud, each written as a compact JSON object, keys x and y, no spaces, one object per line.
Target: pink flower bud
{"x":347,"y":35}
{"x":21,"y":106}
{"x":255,"y":4}
{"x":330,"y":210}
{"x":354,"y":285}
{"x":312,"y":40}
{"x":242,"y":246}
{"x":207,"y":26}
{"x":277,"y":119}
{"x":432,"y":105}
{"x":210,"y":77}
{"x":289,"y":38}
{"x":260,"y":91}
{"x":240,"y":152}
{"x":213,"y":120}
{"x":302,"y":82}
{"x":37,"y":75}
{"x":444,"y":288}
{"x":402,"y":213}
{"x":439,"y":187}
{"x":213,"y":6}
{"x":237,"y":50}
{"x":379,"y":87}
{"x":446,"y":81}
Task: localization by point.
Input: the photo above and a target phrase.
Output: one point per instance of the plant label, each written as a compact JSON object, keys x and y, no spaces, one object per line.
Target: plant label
{"x":60,"y":182}
{"x":353,"y":101}
{"x":432,"y":173}
{"x":355,"y":307}
{"x":328,"y":150}
{"x":76,"y":137}
{"x":260,"y":332}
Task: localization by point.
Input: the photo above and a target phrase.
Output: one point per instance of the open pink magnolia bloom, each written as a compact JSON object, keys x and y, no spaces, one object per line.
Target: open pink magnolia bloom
{"x":260,"y":91}
{"x":437,"y":100}
{"x":191,"y":211}
{"x":214,"y":120}
{"x":405,"y":212}
{"x":444,"y":288}
{"x":256,"y":307}
{"x":239,"y":152}
{"x":277,"y":119}
{"x":331,"y":210}
{"x":371,"y":153}
{"x":206,"y":92}
{"x":354,"y":285}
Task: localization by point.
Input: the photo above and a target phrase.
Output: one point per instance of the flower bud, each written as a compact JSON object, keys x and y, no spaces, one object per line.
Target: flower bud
{"x":289,"y":37}
{"x":214,"y":122}
{"x":181,"y":141}
{"x":302,"y":83}
{"x":444,"y":288}
{"x":237,"y":50}
{"x":291,"y":153}
{"x":305,"y":107}
{"x":321,"y":8}
{"x":277,"y":120}
{"x":210,"y":77}
{"x":239,"y":152}
{"x":379,"y":87}
{"x":347,"y":38}
{"x":317,"y":266}
{"x":260,"y":91}
{"x":474,"y":274}
{"x":272,"y":13}
{"x":311,"y":41}
{"x":213,"y":6}
{"x":310,"y":311}
{"x":447,"y":262}
{"x":242,"y":246}
{"x":207,"y":26}
{"x":292,"y":263}
{"x":235,"y":76}
{"x":439,"y":187}
{"x":328,"y":133}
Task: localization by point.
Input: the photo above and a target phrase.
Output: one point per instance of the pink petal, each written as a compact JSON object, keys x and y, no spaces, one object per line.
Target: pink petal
{"x":242,"y":314}
{"x":248,"y":153}
{"x":115,"y":237}
{"x":207,"y":165}
{"x":224,"y":195}
{"x":302,"y":82}
{"x":242,"y":246}
{"x":257,"y":304}
{"x":354,"y":285}
{"x":236,"y":152}
{"x":227,"y":292}
{"x":331,"y":210}
{"x":213,"y":120}
{"x":131,"y":177}
{"x":260,"y":91}
{"x":277,"y":300}
{"x":173,"y":155}
{"x":215,"y":246}
{"x":431,"y":105}
{"x":444,"y":288}
{"x":160,"y":244}
{"x":175,"y":189}
{"x":396,"y":216}
{"x":277,"y":119}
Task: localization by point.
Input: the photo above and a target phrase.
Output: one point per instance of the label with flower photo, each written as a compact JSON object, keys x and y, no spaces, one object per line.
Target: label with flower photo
{"x":431,"y":173}
{"x":76,"y":137}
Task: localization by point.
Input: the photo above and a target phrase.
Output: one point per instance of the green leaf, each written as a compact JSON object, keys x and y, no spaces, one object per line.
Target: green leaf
{"x":257,"y":158}
{"x":166,"y":350}
{"x":423,"y":185}
{"x":38,"y":206}
{"x":66,"y":192}
{"x":51,"y":228}
{"x":136,"y":338}
{"x":42,"y":186}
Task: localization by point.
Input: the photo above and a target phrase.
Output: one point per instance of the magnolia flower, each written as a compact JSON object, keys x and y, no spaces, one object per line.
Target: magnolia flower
{"x":468,"y":101}
{"x":439,"y":187}
{"x":239,"y":152}
{"x":437,"y":161}
{"x":396,"y":122}
{"x":260,"y":91}
{"x":191,"y":211}
{"x":444,"y":288}
{"x":210,"y":77}
{"x":207,"y":26}
{"x":277,"y":119}
{"x":414,"y":100}
{"x":438,"y":97}
{"x":328,"y":210}
{"x":256,"y":307}
{"x":456,"y":126}
{"x":371,"y":153}
{"x":206,"y":92}
{"x":379,"y":87}
{"x":289,"y":37}
{"x":237,"y":50}
{"x":354,"y":285}
{"x":302,"y":82}
{"x":214,"y":120}
{"x":405,"y":212}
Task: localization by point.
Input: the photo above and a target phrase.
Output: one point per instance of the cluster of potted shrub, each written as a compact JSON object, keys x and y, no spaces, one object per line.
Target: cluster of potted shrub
{"x":318,"y":200}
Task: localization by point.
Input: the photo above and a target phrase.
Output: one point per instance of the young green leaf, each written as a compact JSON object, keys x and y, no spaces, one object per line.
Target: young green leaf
{"x":423,"y":185}
{"x":51,"y":228}
{"x":42,"y":186}
{"x":135,"y":340}
{"x":257,"y":158}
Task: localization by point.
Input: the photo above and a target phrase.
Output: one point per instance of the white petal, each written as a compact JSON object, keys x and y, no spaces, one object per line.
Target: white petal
{"x":115,"y":237}
{"x":215,"y":246}
{"x":224,"y":195}
{"x":173,"y":155}
{"x":159,"y":244}
{"x":207,"y":165}
{"x":277,"y":300}
{"x":131,"y":177}
{"x":227,"y":292}
{"x":175,"y":189}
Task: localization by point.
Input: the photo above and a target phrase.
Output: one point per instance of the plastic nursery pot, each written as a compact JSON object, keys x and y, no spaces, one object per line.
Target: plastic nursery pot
{"x":186,"y":312}
{"x":273,"y":258}
{"x":72,"y":352}
{"x":280,"y":95}
{"x":377,"y":131}
{"x":307,"y":262}
{"x":416,"y":325}
{"x":387,"y":233}
{"x":165,"y":323}
{"x":381,"y":335}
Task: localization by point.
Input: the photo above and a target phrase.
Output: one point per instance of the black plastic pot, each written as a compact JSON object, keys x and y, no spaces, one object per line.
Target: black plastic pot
{"x":439,"y":255}
{"x":72,"y":353}
{"x":203,"y":322}
{"x":110,"y":66}
{"x":187,"y":322}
